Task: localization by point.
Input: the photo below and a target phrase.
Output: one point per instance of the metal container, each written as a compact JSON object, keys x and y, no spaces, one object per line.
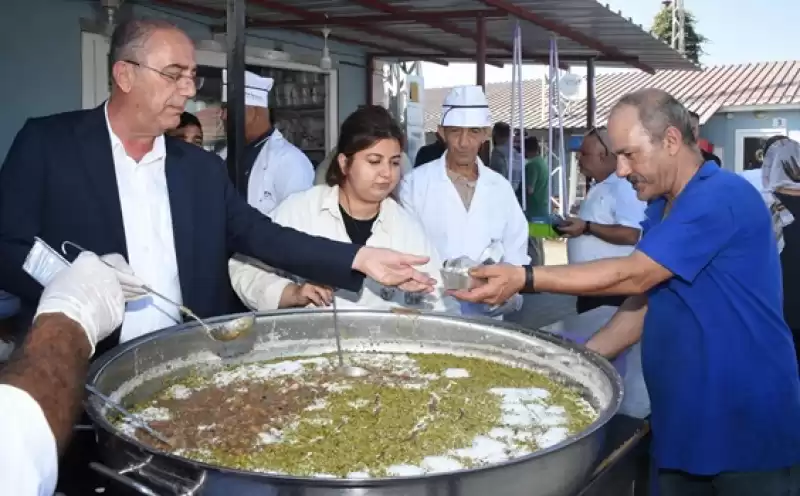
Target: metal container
{"x":455,"y":274}
{"x":135,"y":370}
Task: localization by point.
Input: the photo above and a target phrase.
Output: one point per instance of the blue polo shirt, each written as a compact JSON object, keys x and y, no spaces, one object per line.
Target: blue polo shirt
{"x":717,"y":356}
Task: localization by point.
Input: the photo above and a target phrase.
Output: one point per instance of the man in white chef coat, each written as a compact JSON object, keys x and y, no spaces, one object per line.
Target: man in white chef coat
{"x":464,"y":205}
{"x":274,"y":167}
{"x":41,"y":387}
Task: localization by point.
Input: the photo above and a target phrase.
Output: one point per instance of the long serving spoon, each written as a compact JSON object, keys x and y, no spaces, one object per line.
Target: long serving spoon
{"x":224,"y":332}
{"x":133,"y":419}
{"x":345,"y":370}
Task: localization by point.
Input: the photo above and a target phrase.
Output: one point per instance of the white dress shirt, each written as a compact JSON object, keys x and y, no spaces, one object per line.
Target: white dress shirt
{"x":611,"y":201}
{"x":316,"y":211}
{"x":147,"y":218}
{"x":28,"y":452}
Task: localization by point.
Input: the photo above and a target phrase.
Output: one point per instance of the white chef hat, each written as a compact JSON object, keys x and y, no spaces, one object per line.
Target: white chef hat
{"x":256,"y":89}
{"x":466,"y":106}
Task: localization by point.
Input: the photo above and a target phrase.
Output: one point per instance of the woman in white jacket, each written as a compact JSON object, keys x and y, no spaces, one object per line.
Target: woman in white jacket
{"x":355,"y":205}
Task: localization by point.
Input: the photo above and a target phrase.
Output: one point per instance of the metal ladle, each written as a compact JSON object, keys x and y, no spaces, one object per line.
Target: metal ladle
{"x":223,"y":332}
{"x":345,"y":370}
{"x":133,"y":419}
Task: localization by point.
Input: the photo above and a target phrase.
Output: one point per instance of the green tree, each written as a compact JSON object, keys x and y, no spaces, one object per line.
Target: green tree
{"x":662,"y":29}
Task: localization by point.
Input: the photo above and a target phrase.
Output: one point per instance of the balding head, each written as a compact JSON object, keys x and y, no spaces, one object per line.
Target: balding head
{"x":651,"y":133}
{"x":596,"y":159}
{"x":658,"y":111}
{"x":130,"y":38}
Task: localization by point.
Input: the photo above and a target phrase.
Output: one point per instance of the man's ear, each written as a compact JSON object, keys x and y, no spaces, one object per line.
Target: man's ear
{"x":673,"y":140}
{"x":440,"y":133}
{"x":122,"y":74}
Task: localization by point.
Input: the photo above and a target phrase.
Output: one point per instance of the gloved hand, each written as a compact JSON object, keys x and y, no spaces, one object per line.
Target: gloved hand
{"x":131,"y":285}
{"x":89,"y":293}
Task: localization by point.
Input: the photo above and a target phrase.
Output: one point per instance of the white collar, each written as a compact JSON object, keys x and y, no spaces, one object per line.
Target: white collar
{"x":484,"y":173}
{"x":612,"y":178}
{"x":158,"y":152}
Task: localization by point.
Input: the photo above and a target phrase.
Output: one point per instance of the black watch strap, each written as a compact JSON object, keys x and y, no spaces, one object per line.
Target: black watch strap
{"x":528,"y":287}
{"x":587,"y":227}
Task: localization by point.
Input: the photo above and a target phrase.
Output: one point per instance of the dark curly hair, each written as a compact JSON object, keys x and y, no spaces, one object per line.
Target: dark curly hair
{"x":361,"y":130}
{"x":189,"y":119}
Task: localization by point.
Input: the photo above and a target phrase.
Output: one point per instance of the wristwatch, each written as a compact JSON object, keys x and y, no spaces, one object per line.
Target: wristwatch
{"x":587,"y":227}
{"x":528,"y":286}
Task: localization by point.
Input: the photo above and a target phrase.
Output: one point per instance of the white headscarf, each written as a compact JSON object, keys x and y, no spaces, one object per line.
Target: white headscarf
{"x":780,"y":170}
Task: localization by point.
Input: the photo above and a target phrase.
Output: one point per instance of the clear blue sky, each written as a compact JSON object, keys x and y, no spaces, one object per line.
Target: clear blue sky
{"x":738,"y":31}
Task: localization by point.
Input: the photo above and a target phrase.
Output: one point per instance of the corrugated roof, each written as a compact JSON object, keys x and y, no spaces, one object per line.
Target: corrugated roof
{"x":446,"y":30}
{"x":705,"y":92}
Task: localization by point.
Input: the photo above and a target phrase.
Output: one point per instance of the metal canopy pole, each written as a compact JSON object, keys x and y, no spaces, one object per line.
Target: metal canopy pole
{"x":480,"y":51}
{"x":235,"y":38}
{"x":591,"y":105}
{"x":591,"y":102}
{"x":555,"y":137}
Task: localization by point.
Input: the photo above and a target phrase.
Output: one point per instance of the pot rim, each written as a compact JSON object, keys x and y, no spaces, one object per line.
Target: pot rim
{"x":509,"y":329}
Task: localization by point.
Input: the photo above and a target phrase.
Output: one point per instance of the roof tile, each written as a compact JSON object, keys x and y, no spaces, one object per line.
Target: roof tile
{"x":705,"y":92}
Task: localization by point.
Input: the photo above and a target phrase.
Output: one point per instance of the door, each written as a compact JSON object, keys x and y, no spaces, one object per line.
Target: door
{"x":94,"y":69}
{"x":750,"y":147}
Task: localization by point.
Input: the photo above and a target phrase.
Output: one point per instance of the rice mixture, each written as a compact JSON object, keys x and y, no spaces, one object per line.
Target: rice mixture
{"x":414,"y":414}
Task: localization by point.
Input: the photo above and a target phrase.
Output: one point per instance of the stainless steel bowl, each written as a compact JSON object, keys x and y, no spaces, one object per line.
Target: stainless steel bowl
{"x":136,"y":370}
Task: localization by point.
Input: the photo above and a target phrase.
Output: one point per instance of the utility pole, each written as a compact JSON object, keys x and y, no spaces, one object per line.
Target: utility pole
{"x":678,"y":25}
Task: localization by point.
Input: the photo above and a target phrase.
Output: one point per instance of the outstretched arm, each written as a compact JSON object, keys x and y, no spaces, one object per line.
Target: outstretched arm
{"x":41,"y":388}
{"x":623,"y":330}
{"x":51,"y":367}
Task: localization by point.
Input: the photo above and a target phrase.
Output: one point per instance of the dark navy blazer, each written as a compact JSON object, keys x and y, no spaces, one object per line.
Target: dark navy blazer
{"x":58,"y":182}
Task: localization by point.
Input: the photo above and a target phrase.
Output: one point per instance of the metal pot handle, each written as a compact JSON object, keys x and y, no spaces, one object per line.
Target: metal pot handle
{"x":121,"y":477}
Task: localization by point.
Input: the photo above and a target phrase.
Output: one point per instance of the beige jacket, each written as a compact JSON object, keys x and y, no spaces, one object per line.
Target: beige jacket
{"x":316,"y":211}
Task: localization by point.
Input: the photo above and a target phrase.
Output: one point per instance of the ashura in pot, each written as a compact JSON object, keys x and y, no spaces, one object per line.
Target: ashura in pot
{"x":414,"y":414}
{"x":404,"y":434}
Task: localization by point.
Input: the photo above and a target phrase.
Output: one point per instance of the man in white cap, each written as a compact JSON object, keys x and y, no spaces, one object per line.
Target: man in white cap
{"x":463,"y":205}
{"x":274,"y":167}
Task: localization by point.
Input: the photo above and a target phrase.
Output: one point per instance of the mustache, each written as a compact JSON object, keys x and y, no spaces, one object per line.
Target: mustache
{"x":635,"y":179}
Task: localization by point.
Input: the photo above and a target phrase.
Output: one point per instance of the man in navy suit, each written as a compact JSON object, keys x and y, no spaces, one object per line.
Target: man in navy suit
{"x":109,"y":180}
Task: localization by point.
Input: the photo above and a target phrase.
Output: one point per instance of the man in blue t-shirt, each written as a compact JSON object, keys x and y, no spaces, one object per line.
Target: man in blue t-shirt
{"x":706,"y":302}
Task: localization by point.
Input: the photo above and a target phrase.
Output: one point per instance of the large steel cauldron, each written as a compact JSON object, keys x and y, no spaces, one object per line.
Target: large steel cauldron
{"x":137,"y":369}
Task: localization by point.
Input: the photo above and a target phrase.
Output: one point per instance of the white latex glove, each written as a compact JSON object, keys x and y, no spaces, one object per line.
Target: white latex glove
{"x":89,"y":293}
{"x":131,"y":285}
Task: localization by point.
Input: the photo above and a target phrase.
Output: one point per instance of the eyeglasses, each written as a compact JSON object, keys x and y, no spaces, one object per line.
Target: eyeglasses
{"x":175,"y":78}
{"x":598,"y":132}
